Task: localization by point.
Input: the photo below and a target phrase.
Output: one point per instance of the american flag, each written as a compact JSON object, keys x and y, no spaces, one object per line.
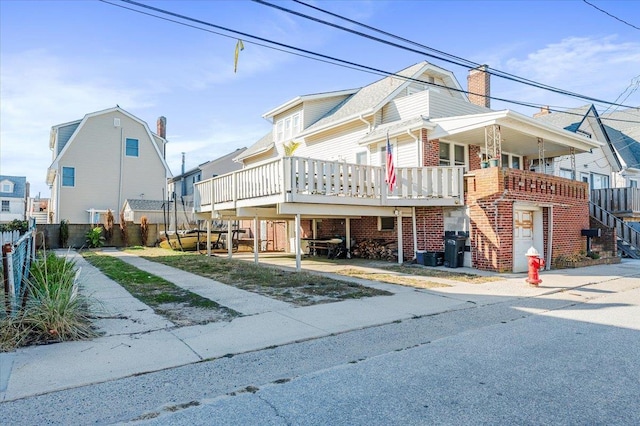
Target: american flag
{"x":391,"y":170}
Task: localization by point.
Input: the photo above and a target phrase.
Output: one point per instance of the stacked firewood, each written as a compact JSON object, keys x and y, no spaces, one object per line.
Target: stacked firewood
{"x":375,"y":249}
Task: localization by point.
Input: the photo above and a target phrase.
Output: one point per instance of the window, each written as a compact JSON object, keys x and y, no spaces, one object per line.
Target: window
{"x":287,"y":127}
{"x":449,"y":151}
{"x":566,"y":173}
{"x":511,"y":161}
{"x":599,"y":181}
{"x":7,"y":187}
{"x":5,"y":205}
{"x":386,"y":223}
{"x":131,"y":147}
{"x":361,"y":157}
{"x":633,"y":183}
{"x":68,"y":176}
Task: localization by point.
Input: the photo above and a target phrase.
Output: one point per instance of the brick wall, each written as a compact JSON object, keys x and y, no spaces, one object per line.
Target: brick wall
{"x":431,"y":154}
{"x":474,"y":157}
{"x":478,"y":83}
{"x":606,"y":243}
{"x":491,"y":195}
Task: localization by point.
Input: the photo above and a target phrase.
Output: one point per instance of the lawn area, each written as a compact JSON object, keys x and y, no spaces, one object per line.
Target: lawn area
{"x":445,"y":273}
{"x":299,"y":288}
{"x":178,"y":305}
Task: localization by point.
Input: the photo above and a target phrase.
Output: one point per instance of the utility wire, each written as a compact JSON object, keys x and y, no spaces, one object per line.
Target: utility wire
{"x":325,"y":58}
{"x":497,"y":73}
{"x":613,"y":16}
{"x":305,"y":53}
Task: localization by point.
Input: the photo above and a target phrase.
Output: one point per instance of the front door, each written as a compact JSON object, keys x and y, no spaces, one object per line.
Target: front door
{"x":522,"y":238}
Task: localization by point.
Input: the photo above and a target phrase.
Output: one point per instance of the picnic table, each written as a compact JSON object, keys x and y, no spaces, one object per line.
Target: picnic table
{"x":326,"y":245}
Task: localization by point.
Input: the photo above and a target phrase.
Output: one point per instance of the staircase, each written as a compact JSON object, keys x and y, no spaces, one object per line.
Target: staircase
{"x":628,"y":236}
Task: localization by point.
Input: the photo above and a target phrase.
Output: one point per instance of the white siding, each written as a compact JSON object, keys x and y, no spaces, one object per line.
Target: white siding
{"x":340,"y":144}
{"x":97,"y":153}
{"x":406,"y":107}
{"x":315,"y":110}
{"x":443,"y":105}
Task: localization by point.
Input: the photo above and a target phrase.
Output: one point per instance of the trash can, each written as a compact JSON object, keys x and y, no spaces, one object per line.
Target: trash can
{"x":454,"y":250}
{"x":433,"y":258}
{"x":420,"y":257}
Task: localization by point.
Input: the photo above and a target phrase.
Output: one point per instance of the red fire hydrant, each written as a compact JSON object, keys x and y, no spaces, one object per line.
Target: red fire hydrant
{"x":535,"y":263}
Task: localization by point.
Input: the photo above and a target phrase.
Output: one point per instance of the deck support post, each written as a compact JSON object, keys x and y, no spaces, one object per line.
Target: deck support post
{"x":297,"y":248}
{"x":208,"y":237}
{"x":255,"y":239}
{"x":347,"y":233}
{"x":229,"y":239}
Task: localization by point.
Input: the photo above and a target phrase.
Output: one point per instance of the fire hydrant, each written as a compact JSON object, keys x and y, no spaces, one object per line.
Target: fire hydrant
{"x":535,"y":263}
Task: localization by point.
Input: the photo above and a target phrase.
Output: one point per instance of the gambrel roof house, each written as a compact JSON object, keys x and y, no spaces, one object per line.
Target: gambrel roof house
{"x":14,"y":191}
{"x":103,"y":159}
{"x":440,"y":138}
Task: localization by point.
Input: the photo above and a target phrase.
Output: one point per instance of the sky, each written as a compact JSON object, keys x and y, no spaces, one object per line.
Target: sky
{"x":60,"y":60}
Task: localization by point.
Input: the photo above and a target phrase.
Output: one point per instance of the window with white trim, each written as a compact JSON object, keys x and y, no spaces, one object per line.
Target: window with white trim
{"x":511,"y":161}
{"x":599,"y":181}
{"x":566,"y":173}
{"x":452,"y":154}
{"x":361,"y":157}
{"x":287,"y":127}
{"x":5,"y":206}
{"x":633,"y":183}
{"x":7,"y":186}
{"x":131,"y":149}
{"x":68,"y":176}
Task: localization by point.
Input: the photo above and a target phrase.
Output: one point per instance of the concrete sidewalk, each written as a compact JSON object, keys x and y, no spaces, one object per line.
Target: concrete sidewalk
{"x":138,"y":341}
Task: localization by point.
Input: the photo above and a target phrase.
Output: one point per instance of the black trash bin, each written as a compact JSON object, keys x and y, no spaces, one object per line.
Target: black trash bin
{"x":454,"y":250}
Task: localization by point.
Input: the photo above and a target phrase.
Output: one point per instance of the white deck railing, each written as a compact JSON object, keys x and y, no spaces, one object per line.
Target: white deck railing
{"x":296,"y":179}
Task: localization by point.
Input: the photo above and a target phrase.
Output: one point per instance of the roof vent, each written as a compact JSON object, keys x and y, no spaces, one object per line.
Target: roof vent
{"x":116,"y":122}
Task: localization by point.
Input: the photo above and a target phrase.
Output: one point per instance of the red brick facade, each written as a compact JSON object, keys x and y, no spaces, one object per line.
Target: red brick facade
{"x":491,"y":194}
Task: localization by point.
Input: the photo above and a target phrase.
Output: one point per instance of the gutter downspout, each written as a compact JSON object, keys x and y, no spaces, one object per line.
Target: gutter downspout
{"x":122,"y":171}
{"x":550,"y":239}
{"x":365,"y":122}
{"x":419,"y":142}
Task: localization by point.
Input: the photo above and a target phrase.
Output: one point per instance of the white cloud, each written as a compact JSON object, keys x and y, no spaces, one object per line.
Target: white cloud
{"x":597,"y":67}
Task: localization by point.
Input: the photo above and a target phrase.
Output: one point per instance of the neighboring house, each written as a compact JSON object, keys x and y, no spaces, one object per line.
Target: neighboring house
{"x":38,"y":208}
{"x":102,"y":160}
{"x":612,"y":171}
{"x":334,"y":184}
{"x":181,"y":186}
{"x":14,"y":192}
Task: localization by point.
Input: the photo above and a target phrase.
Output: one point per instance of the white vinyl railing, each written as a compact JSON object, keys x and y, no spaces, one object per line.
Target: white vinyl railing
{"x":295,"y":176}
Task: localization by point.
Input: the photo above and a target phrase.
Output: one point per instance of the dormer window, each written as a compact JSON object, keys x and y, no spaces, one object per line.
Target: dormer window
{"x":287,"y":127}
{"x":6,"y":186}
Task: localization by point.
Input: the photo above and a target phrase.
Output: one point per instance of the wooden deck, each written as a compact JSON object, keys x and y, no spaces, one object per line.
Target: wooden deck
{"x":305,"y":180}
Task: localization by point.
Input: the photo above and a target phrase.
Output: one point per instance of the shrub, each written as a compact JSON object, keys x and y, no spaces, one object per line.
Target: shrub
{"x":144,"y":230}
{"x":15,"y":225}
{"x":108,"y":226}
{"x":54,"y":310}
{"x":124,"y":233}
{"x":95,"y":238}
{"x":64,"y":232}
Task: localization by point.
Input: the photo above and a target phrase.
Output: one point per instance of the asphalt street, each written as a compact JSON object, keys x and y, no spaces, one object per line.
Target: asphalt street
{"x":571,"y":357}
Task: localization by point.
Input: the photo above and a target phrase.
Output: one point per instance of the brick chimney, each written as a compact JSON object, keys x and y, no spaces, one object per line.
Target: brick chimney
{"x":479,"y":86}
{"x":162,"y":127}
{"x":543,"y":111}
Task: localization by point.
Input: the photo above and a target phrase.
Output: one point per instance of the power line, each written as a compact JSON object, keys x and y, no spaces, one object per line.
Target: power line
{"x":613,"y":16}
{"x":497,"y":73}
{"x":324,"y":58}
{"x":292,"y":50}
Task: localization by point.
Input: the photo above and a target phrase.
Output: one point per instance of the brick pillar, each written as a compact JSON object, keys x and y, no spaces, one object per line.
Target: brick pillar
{"x":479,"y":86}
{"x":431,"y":154}
{"x":162,"y":127}
{"x":474,"y":157}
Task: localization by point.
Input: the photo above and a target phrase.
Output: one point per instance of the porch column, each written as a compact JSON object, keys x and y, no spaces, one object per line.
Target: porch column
{"x":229,"y":239}
{"x":541,"y":163}
{"x":314,"y":229}
{"x":572,"y":154}
{"x":208,"y":237}
{"x":297,"y":248}
{"x":549,"y":240}
{"x":400,"y":251}
{"x":255,"y":239}
{"x":414,"y":225}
